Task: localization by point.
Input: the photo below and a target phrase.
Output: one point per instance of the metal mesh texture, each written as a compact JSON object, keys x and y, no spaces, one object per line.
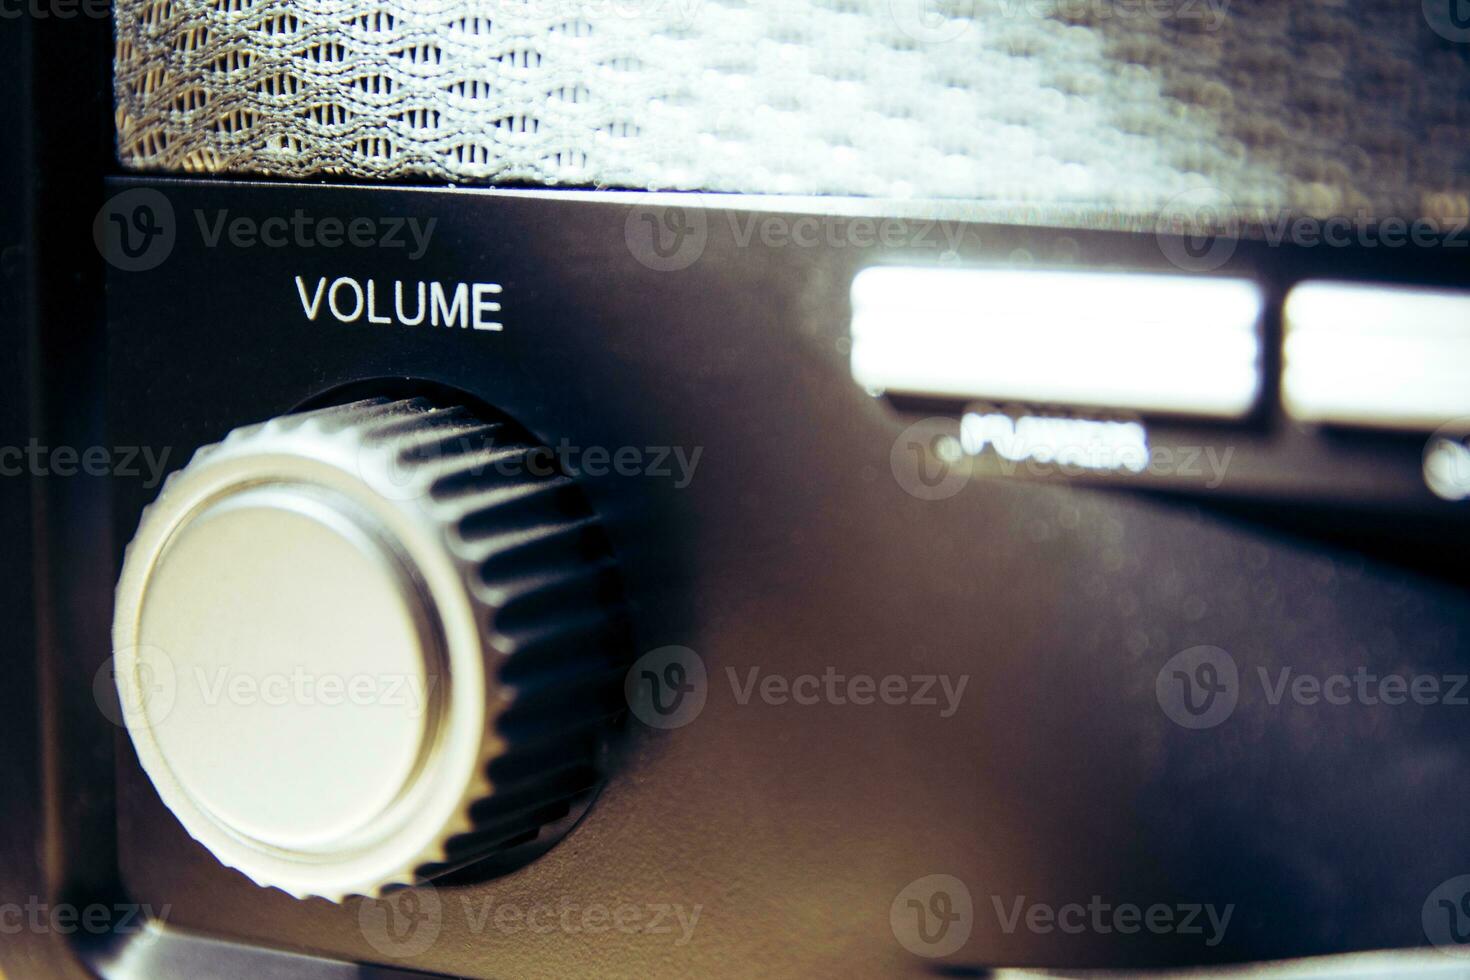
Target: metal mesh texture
{"x":1321,"y":106}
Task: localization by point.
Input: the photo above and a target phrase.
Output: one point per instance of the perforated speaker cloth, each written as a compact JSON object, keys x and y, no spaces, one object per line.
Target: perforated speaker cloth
{"x":1322,"y":106}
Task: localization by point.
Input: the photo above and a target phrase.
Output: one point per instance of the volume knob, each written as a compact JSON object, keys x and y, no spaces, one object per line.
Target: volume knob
{"x":363,"y":645}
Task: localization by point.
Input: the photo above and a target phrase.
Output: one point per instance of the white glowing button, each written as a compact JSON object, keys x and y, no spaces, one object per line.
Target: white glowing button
{"x":1177,"y":344}
{"x":1376,"y":355}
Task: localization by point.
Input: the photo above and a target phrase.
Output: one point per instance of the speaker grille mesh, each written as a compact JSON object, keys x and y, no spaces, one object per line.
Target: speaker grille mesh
{"x":1324,"y":106}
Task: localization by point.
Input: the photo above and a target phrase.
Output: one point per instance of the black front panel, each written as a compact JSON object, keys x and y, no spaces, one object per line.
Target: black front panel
{"x":751,"y":493}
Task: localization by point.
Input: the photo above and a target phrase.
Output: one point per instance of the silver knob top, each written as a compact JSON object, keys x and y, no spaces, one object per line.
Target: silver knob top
{"x":308,"y":648}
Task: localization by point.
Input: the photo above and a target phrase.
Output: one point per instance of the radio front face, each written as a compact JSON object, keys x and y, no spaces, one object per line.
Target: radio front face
{"x":997,"y":503}
{"x":834,"y":637}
